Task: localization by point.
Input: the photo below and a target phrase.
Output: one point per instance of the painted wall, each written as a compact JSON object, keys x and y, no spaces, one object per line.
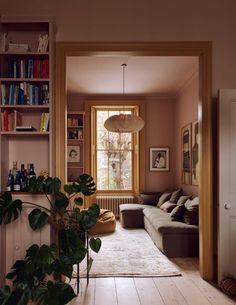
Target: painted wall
{"x":186,"y":109}
{"x":159,"y":132}
{"x":144,"y":20}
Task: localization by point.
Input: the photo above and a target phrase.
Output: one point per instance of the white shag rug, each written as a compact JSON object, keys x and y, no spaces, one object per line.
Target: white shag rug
{"x":129,"y":253}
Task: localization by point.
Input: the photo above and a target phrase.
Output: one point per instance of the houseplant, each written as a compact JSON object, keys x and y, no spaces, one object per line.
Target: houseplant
{"x":39,"y":277}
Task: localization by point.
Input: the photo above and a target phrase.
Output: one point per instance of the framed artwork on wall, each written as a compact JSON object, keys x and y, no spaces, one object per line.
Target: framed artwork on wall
{"x":73,"y":154}
{"x":159,"y":158}
{"x":195,"y":153}
{"x":186,"y":138}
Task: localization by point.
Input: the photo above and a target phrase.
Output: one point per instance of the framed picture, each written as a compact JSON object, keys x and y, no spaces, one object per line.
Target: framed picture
{"x":195,"y":153}
{"x":186,"y":138}
{"x":159,"y":159}
{"x":73,"y":153}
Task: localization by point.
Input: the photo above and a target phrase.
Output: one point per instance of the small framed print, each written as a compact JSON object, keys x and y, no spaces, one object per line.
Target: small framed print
{"x":195,"y":153}
{"x":159,"y":159}
{"x":73,"y":153}
{"x":186,"y":138}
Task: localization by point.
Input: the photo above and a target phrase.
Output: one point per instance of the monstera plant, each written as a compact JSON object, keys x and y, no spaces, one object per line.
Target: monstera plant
{"x":40,"y":276}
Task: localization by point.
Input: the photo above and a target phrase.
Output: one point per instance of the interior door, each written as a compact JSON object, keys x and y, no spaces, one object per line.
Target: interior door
{"x":227,"y":183}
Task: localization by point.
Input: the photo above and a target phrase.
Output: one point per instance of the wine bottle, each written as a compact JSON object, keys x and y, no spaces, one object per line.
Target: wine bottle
{"x":31,"y":172}
{"x":14,"y":169}
{"x":10,"y":182}
{"x":16,"y":185}
{"x":23,"y":178}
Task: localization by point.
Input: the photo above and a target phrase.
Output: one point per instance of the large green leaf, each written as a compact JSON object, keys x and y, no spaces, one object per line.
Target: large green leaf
{"x":36,"y":184}
{"x":87,"y":185}
{"x":37,"y":219}
{"x":95,"y":244}
{"x":52,"y":185}
{"x":54,"y":294}
{"x":63,"y":266}
{"x":71,"y":244}
{"x":18,"y":297}
{"x":68,"y":188}
{"x":5,"y":292}
{"x":9,"y":209}
{"x":89,"y":217}
{"x":61,"y":202}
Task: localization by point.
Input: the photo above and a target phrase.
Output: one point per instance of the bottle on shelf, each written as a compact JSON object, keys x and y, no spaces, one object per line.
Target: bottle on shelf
{"x":31,"y":172}
{"x":10,"y":182}
{"x":16,"y":185}
{"x":14,"y":169}
{"x":23,"y":178}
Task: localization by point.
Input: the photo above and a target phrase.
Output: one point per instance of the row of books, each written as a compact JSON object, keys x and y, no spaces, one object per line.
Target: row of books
{"x":74,"y":122}
{"x":24,"y":94}
{"x":10,"y":120}
{"x":44,"y":122}
{"x":28,"y":68}
{"x":76,"y":134}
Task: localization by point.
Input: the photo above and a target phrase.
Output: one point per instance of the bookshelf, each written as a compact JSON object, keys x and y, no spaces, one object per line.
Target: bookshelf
{"x":75,"y":144}
{"x":26,"y":91}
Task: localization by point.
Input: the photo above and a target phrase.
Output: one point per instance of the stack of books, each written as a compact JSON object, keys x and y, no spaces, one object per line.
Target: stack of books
{"x":10,"y":119}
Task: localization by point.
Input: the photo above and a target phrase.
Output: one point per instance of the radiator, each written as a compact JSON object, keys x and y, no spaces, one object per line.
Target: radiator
{"x":112,"y":202}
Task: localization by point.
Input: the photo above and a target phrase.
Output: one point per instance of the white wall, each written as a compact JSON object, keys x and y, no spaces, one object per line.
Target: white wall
{"x":144,"y":20}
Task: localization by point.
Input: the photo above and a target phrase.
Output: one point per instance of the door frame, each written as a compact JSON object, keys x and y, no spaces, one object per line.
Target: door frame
{"x":203,"y":50}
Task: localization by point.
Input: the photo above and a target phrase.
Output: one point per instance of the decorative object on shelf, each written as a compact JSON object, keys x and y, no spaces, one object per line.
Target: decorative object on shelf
{"x":3,"y":42}
{"x":159,"y":159}
{"x":186,"y":137}
{"x":195,"y":153}
{"x":73,"y":153}
{"x":39,"y":276}
{"x":124,"y":122}
{"x":43,"y":43}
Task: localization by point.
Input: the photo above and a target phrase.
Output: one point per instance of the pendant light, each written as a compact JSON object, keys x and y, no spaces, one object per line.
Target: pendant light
{"x":124,"y":122}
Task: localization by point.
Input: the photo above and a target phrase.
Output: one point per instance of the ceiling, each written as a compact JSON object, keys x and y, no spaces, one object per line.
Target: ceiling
{"x":144,"y":74}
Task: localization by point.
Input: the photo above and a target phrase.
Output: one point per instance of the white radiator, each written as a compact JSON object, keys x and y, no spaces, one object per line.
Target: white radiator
{"x":112,"y":202}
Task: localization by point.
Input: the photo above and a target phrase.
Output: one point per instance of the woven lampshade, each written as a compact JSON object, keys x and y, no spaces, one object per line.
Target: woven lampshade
{"x":124,"y":123}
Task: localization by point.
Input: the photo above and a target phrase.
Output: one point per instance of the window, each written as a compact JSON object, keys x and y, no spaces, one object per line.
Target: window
{"x":114,"y":157}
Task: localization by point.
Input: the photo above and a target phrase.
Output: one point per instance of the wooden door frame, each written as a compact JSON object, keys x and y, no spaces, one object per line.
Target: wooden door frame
{"x":203,"y":50}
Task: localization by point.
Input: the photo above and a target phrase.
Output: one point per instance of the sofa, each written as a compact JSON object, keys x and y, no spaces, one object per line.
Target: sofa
{"x":171,"y":220}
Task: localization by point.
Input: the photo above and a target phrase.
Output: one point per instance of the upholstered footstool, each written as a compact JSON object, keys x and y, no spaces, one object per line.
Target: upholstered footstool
{"x":106,"y":223}
{"x":131,"y":215}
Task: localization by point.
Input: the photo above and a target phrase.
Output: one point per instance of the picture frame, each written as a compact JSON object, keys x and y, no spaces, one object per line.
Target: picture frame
{"x":73,"y":154}
{"x":195,"y":153}
{"x":159,"y":159}
{"x":186,"y":140}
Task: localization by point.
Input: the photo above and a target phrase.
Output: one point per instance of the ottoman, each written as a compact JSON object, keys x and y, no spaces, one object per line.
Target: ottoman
{"x":131,"y":215}
{"x":106,"y":223}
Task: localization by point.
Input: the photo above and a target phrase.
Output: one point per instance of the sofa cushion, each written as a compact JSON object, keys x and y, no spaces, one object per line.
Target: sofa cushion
{"x":164,"y":197}
{"x":191,"y":214}
{"x":167,"y":206}
{"x":182,"y":200}
{"x":132,"y":207}
{"x":149,"y":198}
{"x":176,"y":195}
{"x":177,"y":213}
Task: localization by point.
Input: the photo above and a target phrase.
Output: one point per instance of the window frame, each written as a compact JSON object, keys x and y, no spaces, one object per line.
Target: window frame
{"x":138,"y":155}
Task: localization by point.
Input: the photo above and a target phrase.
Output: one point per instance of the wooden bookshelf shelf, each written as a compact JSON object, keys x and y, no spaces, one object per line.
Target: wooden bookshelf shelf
{"x":27,"y":80}
{"x":38,"y":54}
{"x":25,"y":133}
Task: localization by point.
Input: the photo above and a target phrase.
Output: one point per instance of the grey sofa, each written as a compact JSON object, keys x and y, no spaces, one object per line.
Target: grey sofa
{"x":173,"y":238}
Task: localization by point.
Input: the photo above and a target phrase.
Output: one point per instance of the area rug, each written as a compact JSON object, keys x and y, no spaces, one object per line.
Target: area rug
{"x":129,"y":253}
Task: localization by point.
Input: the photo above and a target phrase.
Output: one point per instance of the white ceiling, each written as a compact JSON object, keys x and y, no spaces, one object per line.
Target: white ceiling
{"x":144,"y":74}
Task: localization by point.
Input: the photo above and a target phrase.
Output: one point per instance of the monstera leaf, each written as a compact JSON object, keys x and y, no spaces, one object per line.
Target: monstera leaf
{"x":9,"y":209}
{"x":61,"y":202}
{"x":95,"y":244}
{"x":87,"y":185}
{"x":52,"y":185}
{"x":37,"y":219}
{"x":36,"y":184}
{"x":89,"y":217}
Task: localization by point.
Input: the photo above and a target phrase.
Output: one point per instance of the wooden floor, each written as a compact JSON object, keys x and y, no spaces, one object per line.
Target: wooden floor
{"x":188,"y":289}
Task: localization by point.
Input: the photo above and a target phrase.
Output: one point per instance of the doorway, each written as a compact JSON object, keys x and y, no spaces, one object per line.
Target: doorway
{"x":203,"y":51}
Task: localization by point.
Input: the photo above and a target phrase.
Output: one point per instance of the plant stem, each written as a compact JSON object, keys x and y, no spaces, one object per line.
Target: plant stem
{"x":38,"y":205}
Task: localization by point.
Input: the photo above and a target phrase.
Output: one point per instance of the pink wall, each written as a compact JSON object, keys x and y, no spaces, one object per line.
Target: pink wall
{"x":159,"y":132}
{"x":144,"y":20}
{"x":185,"y":112}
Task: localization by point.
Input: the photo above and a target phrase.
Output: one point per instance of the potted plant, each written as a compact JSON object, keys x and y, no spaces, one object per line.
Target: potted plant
{"x":39,"y":277}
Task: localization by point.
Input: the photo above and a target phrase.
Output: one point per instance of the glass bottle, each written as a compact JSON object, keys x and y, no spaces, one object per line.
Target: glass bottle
{"x":10,"y":181}
{"x":14,"y":169}
{"x":31,"y":172}
{"x":16,"y":185}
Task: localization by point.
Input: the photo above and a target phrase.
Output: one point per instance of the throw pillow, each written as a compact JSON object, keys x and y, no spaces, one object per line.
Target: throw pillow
{"x":164,"y":197}
{"x":175,"y":196}
{"x":149,"y":198}
{"x":167,"y":206}
{"x":177,"y":213}
{"x":191,"y":217}
{"x":192,"y":204}
{"x":183,"y":199}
